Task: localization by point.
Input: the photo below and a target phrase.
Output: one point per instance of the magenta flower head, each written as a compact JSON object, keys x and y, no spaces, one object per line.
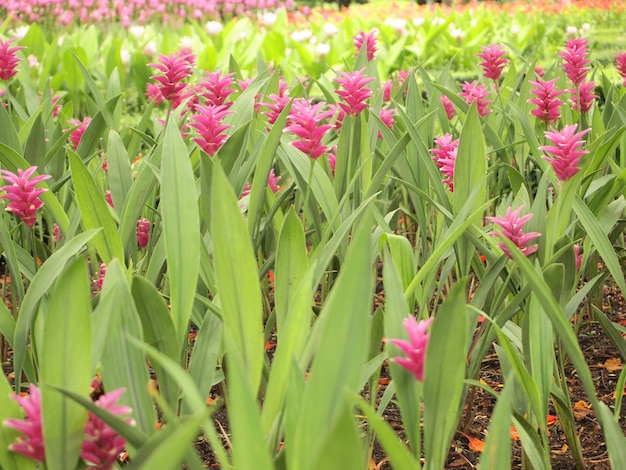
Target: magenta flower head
{"x":355,"y":91}
{"x":8,"y":59}
{"x":305,"y":122}
{"x":143,"y":232}
{"x":369,"y":39}
{"x":583,"y":96}
{"x":566,"y":151}
{"x":620,"y":65}
{"x":31,"y":444}
{"x":77,"y":133}
{"x":275,"y":108}
{"x":476,"y":92}
{"x":102,"y":444}
{"x":174,"y":69}
{"x":211,"y":130}
{"x":387,"y":116}
{"x":445,"y":157}
{"x":448,"y":107}
{"x":22,"y":194}
{"x":575,"y":60}
{"x":547,"y":102}
{"x":493,"y":61}
{"x":511,"y":225}
{"x":415,"y":348}
{"x":216,"y":88}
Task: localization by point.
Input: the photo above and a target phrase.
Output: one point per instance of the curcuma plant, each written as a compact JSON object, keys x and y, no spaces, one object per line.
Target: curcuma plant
{"x":260,"y":249}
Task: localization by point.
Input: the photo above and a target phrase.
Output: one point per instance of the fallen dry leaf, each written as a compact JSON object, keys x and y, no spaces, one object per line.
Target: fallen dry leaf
{"x":613,"y":364}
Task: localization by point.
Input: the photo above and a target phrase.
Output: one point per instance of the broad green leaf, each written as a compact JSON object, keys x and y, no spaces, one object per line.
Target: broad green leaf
{"x":119,"y":170}
{"x":443,"y":376}
{"x":497,"y":452}
{"x":237,"y":277}
{"x":181,"y":227}
{"x":158,"y":331}
{"x":66,"y":363}
{"x":8,"y":134}
{"x":95,"y":212}
{"x":123,"y":365}
{"x":9,"y":247}
{"x":39,"y":287}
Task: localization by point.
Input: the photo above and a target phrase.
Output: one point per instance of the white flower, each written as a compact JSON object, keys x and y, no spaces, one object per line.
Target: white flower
{"x":60,"y":41}
{"x":585,"y":27}
{"x":455,"y":32}
{"x":124,"y":56}
{"x":571,"y":30}
{"x":322,"y":49}
{"x":438,"y":21}
{"x":417,"y":22}
{"x":329,"y":29}
{"x":301,"y":35}
{"x":268,"y":19}
{"x":20,"y":32}
{"x":136,"y":30}
{"x":396,"y":23}
{"x":33,"y":61}
{"x":213,"y":27}
{"x":150,"y":49}
{"x":514,"y":29}
{"x":186,"y":42}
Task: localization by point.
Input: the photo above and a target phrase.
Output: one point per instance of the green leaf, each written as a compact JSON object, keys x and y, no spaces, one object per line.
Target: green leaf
{"x":181,"y":227}
{"x":66,"y":363}
{"x":119,"y":170}
{"x":236,"y":272}
{"x":443,"y":376}
{"x":497,"y":452}
{"x":95,"y":212}
{"x":123,"y":365}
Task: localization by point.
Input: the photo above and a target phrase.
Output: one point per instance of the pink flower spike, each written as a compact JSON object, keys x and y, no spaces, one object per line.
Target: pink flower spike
{"x":77,"y":134}
{"x":99,"y":280}
{"x":476,"y":92}
{"x":547,"y":102}
{"x":369,"y":39}
{"x":620,"y":65}
{"x":575,"y":60}
{"x":387,"y":116}
{"x":102,"y":444}
{"x":447,"y":106}
{"x":211,"y":131}
{"x":579,"y":257}
{"x":275,"y":108}
{"x":217,"y":88}
{"x":24,"y":197}
{"x":143,"y":232}
{"x":445,"y":157}
{"x":355,"y":92}
{"x":304,"y":121}
{"x":565,"y":151}
{"x":174,"y":69}
{"x":31,"y":444}
{"x":8,"y":59}
{"x":583,"y":96}
{"x":272,"y":181}
{"x":511,"y":225}
{"x":415,"y":348}
{"x":493,"y":61}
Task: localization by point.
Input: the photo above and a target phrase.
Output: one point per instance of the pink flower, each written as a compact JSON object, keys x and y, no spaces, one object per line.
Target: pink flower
{"x":583,"y":96}
{"x":511,"y":225}
{"x":56,"y":233}
{"x":387,"y":88}
{"x":22,"y":193}
{"x":272,"y":183}
{"x":445,"y":157}
{"x":575,"y":60}
{"x":332,"y":159}
{"x":355,"y":92}
{"x":547,"y":102}
{"x":565,"y":150}
{"x":447,"y":106}
{"x":109,"y":198}
{"x":304,"y":121}
{"x":77,"y":133}
{"x":493,"y":63}
{"x":387,"y":116}
{"x":174,"y":69}
{"x":99,"y":280}
{"x":620,"y":64}
{"x":275,"y":108}
{"x":217,"y":88}
{"x":415,"y":348}
{"x":153,"y":92}
{"x":31,"y":444}
{"x":208,"y":123}
{"x":369,"y":39}
{"x":476,"y":92}
{"x":102,"y":444}
{"x":8,"y":59}
{"x":579,"y":257}
{"x":143,"y":232}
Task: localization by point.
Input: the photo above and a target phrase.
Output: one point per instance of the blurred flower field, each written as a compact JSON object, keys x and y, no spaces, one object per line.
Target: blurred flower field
{"x":262,"y":235}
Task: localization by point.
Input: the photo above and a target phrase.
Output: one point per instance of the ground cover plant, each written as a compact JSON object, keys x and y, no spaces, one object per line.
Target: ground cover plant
{"x":223,"y":236}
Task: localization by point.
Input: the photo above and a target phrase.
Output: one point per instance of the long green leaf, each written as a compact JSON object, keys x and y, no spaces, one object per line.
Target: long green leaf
{"x":95,"y":212}
{"x":66,"y":363}
{"x":181,"y":227}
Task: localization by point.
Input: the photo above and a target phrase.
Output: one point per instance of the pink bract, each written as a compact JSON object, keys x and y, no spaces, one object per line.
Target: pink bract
{"x":511,"y":225}
{"x":24,"y":197}
{"x":415,"y":348}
